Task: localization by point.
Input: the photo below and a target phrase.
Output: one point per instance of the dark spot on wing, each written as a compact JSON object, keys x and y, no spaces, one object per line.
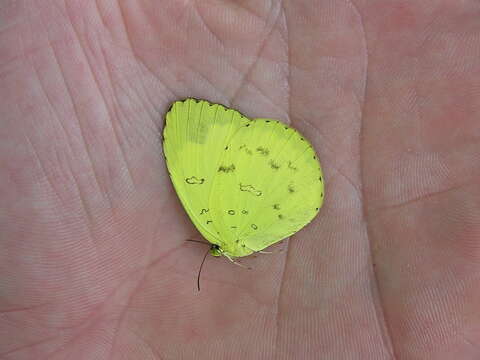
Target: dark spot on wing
{"x":231,"y":212}
{"x":290,"y":166}
{"x":263,"y":151}
{"x":254,"y":227}
{"x":244,"y":212}
{"x":274,"y":165}
{"x":276,"y":206}
{"x":247,"y":150}
{"x":250,"y":189}
{"x":291,"y":189}
{"x":226,"y":169}
{"x":194,"y":180}
{"x":204,"y":211}
{"x":280,"y":216}
{"x":209,"y":222}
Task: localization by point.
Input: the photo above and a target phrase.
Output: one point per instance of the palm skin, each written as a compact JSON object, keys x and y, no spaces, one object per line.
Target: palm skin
{"x":93,"y":258}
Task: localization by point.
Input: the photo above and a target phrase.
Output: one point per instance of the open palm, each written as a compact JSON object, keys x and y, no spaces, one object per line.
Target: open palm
{"x":93,"y":258}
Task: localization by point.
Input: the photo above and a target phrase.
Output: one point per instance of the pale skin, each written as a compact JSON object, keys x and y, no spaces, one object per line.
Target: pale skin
{"x":93,"y":258}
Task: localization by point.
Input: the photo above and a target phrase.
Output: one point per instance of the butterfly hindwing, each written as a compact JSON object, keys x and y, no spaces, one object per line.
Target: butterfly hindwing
{"x":274,"y":188}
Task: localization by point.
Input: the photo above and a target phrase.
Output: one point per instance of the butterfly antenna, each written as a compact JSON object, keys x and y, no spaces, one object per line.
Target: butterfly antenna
{"x":200,"y":270}
{"x":198,"y":241}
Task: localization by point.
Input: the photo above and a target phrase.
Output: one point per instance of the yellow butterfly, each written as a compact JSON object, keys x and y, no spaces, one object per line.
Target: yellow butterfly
{"x":245,"y":184}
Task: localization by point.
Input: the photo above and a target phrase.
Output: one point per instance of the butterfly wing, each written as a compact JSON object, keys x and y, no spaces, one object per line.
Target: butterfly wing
{"x":274,"y":189}
{"x":194,"y":137}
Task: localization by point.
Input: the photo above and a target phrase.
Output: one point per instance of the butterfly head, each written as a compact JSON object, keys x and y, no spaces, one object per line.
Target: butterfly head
{"x":215,"y":250}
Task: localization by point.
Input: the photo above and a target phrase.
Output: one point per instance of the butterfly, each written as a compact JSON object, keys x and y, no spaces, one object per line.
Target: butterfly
{"x":245,"y":183}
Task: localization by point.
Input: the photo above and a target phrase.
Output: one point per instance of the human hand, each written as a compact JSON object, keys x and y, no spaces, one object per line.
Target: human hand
{"x":93,"y":258}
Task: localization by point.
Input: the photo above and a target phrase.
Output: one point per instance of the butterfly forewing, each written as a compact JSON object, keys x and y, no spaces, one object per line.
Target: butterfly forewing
{"x":195,"y":136}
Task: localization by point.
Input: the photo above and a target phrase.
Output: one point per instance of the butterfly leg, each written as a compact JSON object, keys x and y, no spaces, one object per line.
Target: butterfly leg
{"x":235,"y":262}
{"x":261,"y":251}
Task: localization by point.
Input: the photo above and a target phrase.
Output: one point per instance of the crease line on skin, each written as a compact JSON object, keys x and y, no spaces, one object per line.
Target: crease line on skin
{"x":139,"y":58}
{"x":257,"y":57}
{"x":423,"y":197}
{"x":112,"y":112}
{"x":379,"y":308}
{"x":77,"y":116}
{"x":210,"y":31}
{"x":281,"y":287}
{"x":11,"y":352}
